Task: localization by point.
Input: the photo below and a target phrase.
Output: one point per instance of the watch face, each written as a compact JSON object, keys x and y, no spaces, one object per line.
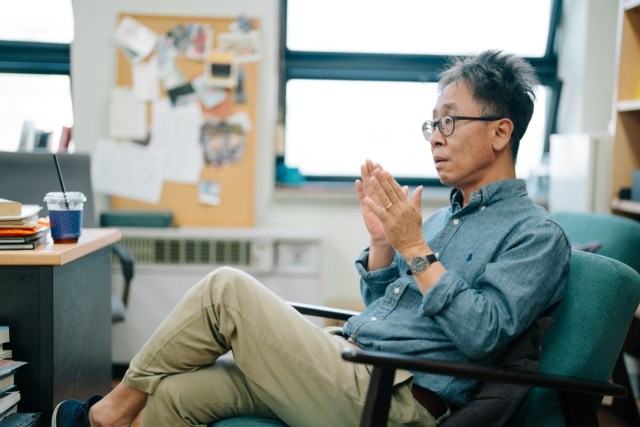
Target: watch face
{"x":418,"y":264}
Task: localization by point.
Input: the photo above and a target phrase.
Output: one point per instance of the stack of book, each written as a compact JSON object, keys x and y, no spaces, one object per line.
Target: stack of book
{"x":19,"y":227}
{"x":9,"y":396}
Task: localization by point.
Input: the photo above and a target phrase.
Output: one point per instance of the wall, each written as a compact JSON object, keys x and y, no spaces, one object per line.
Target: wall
{"x":587,"y":65}
{"x":587,"y":68}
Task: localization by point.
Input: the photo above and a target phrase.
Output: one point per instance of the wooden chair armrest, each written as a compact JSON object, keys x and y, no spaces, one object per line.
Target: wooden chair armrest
{"x":484,"y":373}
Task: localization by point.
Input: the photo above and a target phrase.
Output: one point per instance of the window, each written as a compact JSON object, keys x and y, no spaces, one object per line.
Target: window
{"x":360,"y":82}
{"x":35,"y":36}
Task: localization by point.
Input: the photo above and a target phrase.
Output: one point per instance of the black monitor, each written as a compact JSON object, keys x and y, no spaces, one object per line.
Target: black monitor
{"x":28,"y":177}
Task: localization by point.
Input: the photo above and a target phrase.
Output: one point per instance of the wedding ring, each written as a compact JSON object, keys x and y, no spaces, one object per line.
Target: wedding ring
{"x":387,"y":207}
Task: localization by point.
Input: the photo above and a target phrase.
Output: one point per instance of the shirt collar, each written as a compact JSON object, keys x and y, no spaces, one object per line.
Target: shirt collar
{"x":489,"y":193}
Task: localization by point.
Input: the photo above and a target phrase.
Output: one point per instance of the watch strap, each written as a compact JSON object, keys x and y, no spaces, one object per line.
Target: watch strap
{"x":431,"y":258}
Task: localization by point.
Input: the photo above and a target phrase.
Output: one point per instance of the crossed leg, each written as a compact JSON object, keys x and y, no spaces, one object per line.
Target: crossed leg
{"x":284,"y":366}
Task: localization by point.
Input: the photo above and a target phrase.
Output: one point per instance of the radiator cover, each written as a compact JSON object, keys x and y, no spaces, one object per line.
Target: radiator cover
{"x":170,"y":261}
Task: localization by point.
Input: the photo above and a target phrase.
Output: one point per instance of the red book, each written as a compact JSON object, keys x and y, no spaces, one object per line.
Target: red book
{"x":65,"y":137}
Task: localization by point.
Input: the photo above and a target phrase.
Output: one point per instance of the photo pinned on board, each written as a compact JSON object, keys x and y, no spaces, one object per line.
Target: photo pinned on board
{"x":182,"y":95}
{"x":223,"y":143}
{"x":245,"y":47}
{"x":134,"y":40}
{"x":179,"y":36}
{"x":209,"y":193}
{"x":210,"y":96}
{"x":171,"y":44}
{"x":221,"y":70}
{"x":199,"y":42}
{"x":242,"y":24}
{"x":240,"y":93}
{"x":175,"y":82}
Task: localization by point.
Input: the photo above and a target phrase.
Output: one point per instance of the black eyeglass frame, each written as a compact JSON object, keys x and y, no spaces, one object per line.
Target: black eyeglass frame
{"x":427,"y":135}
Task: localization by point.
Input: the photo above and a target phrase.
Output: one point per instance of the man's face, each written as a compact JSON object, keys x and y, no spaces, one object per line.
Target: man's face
{"x":464,"y":158}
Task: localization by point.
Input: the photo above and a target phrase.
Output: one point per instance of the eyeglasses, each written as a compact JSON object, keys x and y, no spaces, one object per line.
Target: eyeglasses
{"x":447,"y":124}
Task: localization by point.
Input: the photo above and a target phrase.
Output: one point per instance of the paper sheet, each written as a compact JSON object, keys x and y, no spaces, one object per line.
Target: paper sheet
{"x":128,"y":170}
{"x":136,"y":40}
{"x":177,"y":131}
{"x":241,"y":119}
{"x":146,"y":86}
{"x":127,"y":117}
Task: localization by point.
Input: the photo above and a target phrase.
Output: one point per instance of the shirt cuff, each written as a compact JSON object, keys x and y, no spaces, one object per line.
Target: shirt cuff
{"x":382,"y":276}
{"x":442,"y":293}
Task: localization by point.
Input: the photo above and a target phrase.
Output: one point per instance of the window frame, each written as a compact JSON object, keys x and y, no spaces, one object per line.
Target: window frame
{"x":397,"y":67}
{"x":20,"y":57}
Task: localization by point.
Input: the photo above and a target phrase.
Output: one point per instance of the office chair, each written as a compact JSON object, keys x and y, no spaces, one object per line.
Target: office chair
{"x":577,"y":358}
{"x":28,"y":177}
{"x":618,"y":238}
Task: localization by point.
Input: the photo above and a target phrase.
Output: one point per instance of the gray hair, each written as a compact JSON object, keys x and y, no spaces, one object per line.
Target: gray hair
{"x":503,"y":84}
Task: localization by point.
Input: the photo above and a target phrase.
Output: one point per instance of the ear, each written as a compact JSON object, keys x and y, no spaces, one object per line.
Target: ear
{"x":502,"y":134}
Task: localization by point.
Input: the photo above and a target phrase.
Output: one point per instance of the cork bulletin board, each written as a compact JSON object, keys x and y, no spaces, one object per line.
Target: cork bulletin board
{"x":237,"y":179}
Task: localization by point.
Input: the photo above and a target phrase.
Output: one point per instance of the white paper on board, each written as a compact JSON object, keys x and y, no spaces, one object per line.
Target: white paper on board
{"x":177,"y":130}
{"x":135,"y":37}
{"x":127,"y":117}
{"x":130,"y":170}
{"x":146,"y":86}
{"x":241,"y":119}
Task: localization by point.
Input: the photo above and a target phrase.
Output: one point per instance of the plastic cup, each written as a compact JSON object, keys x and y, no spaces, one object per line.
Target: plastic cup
{"x":65,"y":215}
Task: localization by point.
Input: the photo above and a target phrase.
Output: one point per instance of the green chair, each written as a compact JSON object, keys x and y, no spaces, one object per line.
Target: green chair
{"x":579,"y":355}
{"x":619,"y":236}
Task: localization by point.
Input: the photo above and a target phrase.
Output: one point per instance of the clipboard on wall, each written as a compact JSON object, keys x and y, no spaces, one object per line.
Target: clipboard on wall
{"x":236,"y":181}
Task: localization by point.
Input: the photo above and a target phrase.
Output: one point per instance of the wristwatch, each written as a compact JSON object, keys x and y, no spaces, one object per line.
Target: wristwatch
{"x":420,"y":263}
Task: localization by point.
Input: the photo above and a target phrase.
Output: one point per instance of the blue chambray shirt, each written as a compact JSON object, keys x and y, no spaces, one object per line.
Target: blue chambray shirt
{"x":506,"y":259}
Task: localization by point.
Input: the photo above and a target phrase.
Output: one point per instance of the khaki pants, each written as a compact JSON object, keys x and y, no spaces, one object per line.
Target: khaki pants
{"x":283,"y":366}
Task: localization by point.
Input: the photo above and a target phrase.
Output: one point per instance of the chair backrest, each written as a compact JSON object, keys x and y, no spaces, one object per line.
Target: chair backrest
{"x":590,"y":325}
{"x":28,"y":177}
{"x":620,"y":237}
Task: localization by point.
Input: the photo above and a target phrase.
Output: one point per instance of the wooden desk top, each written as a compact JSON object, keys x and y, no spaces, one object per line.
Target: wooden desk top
{"x":49,"y":253}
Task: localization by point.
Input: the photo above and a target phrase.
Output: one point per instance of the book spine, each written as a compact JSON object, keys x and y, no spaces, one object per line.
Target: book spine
{"x":65,"y":137}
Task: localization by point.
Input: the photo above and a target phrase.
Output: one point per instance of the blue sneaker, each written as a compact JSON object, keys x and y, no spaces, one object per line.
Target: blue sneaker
{"x":73,"y":413}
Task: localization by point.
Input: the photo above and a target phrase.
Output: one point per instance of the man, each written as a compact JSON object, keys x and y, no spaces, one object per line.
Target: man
{"x":458,"y":287}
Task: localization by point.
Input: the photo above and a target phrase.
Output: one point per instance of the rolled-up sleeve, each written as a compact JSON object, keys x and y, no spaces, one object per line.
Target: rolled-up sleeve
{"x":526,"y":277}
{"x":374,"y":283}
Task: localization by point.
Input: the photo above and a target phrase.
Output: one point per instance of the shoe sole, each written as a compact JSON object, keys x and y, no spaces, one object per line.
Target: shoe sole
{"x":55,"y":412}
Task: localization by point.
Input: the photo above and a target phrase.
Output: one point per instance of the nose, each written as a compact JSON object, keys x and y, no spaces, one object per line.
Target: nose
{"x":436,"y":138}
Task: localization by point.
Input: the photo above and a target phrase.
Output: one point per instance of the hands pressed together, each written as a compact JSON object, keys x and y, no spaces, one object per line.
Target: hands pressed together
{"x":391,"y":217}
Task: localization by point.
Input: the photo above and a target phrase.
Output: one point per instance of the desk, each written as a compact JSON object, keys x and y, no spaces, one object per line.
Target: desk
{"x":56,"y":300}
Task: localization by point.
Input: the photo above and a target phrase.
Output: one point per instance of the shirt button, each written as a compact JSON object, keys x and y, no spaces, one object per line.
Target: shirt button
{"x":396,"y":290}
{"x":456,"y":221}
{"x":482,"y":208}
{"x":373,"y":319}
{"x":352,"y":335}
{"x":437,"y":254}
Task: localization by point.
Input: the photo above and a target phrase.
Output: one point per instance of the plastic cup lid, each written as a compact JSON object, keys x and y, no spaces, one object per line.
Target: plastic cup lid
{"x":72,"y":196}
